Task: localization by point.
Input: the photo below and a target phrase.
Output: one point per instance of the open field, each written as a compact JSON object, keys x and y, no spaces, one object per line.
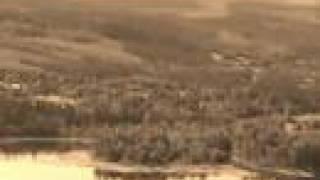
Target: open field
{"x":160,"y":82}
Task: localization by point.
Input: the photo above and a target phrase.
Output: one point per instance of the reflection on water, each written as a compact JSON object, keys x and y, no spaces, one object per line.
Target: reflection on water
{"x":73,"y":162}
{"x":219,"y":173}
{"x":79,"y":165}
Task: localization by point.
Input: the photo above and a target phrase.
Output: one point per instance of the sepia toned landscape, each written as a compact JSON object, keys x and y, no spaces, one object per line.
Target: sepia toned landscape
{"x":159,"y":89}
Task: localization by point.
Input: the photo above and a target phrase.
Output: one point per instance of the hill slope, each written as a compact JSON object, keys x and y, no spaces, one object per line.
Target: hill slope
{"x":167,"y":80}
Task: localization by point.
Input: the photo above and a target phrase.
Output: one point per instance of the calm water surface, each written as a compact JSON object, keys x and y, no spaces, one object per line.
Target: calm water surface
{"x":66,"y":162}
{"x":46,"y":166}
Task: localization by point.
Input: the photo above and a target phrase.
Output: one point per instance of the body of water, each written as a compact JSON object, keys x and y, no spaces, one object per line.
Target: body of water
{"x":73,"y":165}
{"x":80,"y":165}
{"x":40,"y":160}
